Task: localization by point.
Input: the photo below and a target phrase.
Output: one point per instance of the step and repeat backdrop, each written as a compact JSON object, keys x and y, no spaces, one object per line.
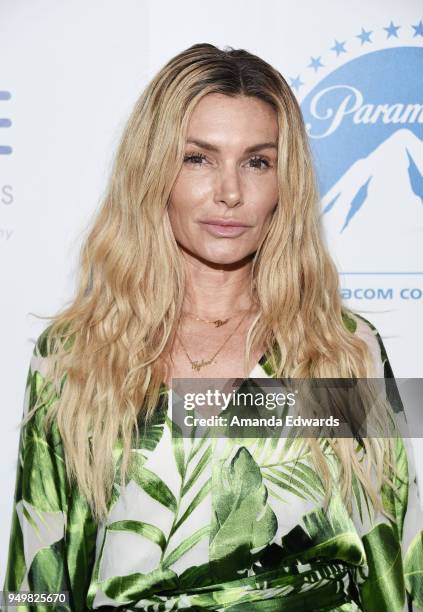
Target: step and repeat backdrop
{"x":69,"y":75}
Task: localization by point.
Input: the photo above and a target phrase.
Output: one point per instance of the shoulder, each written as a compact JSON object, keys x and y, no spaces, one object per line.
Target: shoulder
{"x":41,"y":387}
{"x":367,"y":332}
{"x":39,"y":358}
{"x":52,"y":340}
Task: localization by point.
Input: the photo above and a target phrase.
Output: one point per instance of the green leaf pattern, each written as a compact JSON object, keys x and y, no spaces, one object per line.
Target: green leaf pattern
{"x":206,"y":524}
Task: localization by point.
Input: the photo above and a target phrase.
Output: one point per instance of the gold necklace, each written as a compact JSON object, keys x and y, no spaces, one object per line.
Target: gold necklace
{"x":216,"y":322}
{"x":196,"y":364}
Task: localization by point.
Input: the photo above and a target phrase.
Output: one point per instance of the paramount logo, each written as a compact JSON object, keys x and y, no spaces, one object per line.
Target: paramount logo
{"x":383,"y":189}
{"x":334,"y":104}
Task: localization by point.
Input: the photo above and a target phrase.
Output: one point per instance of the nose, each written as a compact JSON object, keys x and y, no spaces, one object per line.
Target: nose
{"x":228,"y":187}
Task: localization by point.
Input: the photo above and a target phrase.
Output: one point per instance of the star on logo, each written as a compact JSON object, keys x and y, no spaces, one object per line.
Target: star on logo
{"x":339,"y":47}
{"x":296,"y":83}
{"x":418,"y":29}
{"x":364,"y":36}
{"x":315,"y":63}
{"x":392,"y":30}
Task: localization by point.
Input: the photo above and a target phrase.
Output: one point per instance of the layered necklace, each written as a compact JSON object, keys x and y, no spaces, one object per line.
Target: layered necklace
{"x":197,"y":364}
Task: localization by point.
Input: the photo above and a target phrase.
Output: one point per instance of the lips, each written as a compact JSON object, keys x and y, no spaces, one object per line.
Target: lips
{"x":225,"y":222}
{"x":225,"y":228}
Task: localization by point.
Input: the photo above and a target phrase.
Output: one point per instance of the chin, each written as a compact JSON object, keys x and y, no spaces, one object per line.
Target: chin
{"x":218,"y":257}
{"x":224,"y":259}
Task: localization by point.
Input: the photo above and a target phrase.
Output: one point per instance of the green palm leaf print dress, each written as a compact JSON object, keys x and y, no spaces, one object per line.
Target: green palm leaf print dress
{"x":204,"y":524}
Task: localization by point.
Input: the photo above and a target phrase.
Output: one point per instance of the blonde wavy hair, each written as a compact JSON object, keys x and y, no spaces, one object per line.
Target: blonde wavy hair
{"x":107,"y":348}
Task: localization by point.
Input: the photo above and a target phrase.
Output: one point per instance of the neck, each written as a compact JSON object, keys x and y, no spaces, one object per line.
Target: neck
{"x":216,"y":291}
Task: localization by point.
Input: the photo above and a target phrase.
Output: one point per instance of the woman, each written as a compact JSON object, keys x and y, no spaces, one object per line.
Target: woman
{"x":206,"y":260}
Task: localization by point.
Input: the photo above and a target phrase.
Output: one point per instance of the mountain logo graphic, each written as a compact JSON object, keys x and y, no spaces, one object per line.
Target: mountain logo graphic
{"x":361,"y":180}
{"x":365,"y":124}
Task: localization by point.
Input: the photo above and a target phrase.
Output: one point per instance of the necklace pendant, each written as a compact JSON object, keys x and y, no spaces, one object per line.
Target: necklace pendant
{"x":219,"y":322}
{"x":197,"y":365}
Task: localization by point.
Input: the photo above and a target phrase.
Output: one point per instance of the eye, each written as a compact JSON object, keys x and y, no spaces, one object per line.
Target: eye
{"x":195,"y":158}
{"x":257,"y":161}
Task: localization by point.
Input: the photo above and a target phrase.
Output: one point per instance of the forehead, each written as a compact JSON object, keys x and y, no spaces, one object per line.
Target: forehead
{"x":225,"y":118}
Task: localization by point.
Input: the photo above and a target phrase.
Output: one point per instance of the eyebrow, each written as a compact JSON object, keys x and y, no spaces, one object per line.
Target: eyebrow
{"x":257,"y":147}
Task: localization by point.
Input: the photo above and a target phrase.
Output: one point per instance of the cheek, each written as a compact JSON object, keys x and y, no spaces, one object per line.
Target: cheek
{"x":182,"y":210}
{"x":178,"y":201}
{"x":265,"y":194}
{"x":267,"y":205}
{"x":191,"y":187}
{"x":184,"y":197}
{"x":272,"y":190}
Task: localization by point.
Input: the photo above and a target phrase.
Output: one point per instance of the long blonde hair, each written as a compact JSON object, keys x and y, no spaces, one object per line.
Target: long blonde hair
{"x":108,"y":345}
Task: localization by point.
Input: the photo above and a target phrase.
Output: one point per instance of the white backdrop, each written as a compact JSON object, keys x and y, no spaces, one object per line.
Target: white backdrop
{"x":74,"y":69}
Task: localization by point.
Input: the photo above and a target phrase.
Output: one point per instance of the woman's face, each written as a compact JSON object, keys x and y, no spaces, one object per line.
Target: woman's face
{"x":229,"y":175}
